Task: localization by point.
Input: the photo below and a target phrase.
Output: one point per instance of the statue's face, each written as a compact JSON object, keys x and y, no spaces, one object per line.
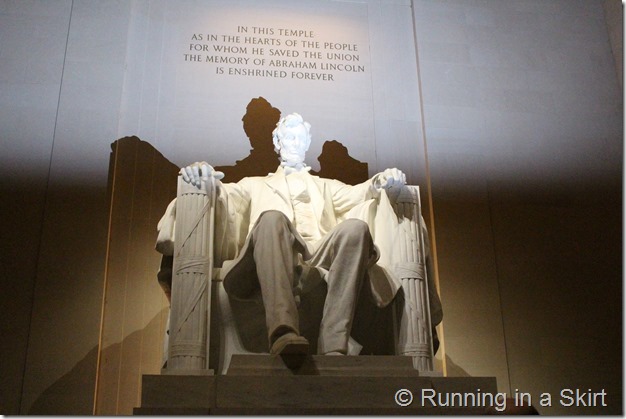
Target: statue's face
{"x":294,"y":143}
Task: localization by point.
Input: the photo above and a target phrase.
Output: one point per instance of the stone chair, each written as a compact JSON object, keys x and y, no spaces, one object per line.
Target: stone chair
{"x":206,"y":326}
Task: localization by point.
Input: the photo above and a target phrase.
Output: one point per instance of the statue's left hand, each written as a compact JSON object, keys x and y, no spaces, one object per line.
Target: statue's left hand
{"x":390,"y":178}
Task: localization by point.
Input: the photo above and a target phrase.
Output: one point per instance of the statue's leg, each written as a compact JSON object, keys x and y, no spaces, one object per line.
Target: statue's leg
{"x":346,"y":252}
{"x":273,"y":244}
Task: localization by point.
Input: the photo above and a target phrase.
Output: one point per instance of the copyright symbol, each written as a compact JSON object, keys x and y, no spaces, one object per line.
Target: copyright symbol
{"x":403,"y":397}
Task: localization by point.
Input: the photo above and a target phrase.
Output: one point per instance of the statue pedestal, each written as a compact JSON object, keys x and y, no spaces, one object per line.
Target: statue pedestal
{"x":262,"y":385}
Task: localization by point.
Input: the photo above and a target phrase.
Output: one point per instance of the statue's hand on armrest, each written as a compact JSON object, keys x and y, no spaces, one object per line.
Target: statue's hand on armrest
{"x":200,"y":171}
{"x":389,"y":179}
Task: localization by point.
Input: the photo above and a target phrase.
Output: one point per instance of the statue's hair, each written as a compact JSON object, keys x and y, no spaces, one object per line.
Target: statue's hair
{"x":289,"y":121}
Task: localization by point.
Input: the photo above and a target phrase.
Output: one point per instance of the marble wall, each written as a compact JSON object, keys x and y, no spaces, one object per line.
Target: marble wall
{"x":523,"y":119}
{"x":63,"y":68}
{"x":32,"y":39}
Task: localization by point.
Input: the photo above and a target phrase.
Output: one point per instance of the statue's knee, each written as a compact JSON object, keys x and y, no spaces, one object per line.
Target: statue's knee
{"x":272,"y":218}
{"x":271,"y":223}
{"x":355,"y":229}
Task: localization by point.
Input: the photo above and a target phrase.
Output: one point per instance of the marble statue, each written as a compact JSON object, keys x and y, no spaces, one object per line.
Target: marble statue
{"x":272,"y":231}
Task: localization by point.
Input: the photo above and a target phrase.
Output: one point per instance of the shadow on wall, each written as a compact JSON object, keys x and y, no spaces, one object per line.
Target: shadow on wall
{"x":23,"y":202}
{"x":258,"y":123}
{"x":336,"y":163}
{"x":66,"y":396}
{"x":63,"y":253}
{"x":454,"y":370}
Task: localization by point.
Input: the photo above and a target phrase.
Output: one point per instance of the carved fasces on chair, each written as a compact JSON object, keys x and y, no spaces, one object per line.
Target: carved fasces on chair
{"x":191,"y":279}
{"x":414,"y":334}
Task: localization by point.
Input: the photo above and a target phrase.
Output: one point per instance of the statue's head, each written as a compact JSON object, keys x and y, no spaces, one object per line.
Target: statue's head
{"x":292,"y":138}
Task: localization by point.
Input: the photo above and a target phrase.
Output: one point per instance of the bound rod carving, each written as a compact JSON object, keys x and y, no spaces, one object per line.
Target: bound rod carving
{"x":414,"y":334}
{"x":190,"y":316}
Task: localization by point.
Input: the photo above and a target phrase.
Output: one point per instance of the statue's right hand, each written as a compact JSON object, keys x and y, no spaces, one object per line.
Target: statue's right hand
{"x":196,"y":172}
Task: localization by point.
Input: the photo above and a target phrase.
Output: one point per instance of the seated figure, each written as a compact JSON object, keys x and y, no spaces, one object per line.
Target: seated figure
{"x":272,"y":231}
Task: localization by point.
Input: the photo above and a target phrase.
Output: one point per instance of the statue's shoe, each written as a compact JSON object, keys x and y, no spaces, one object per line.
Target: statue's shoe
{"x":290,"y":344}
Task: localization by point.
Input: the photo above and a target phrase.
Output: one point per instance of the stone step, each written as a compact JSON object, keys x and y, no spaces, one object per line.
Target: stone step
{"x":263,"y":385}
{"x":370,"y":366}
{"x":319,"y":411}
{"x":178,"y":391}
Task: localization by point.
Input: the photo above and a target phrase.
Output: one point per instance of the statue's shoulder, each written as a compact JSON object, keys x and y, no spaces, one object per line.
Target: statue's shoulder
{"x":326,"y":180}
{"x":248,"y":180}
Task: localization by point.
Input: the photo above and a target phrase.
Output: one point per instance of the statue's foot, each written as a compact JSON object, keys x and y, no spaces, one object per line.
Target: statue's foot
{"x":290,"y":344}
{"x":334,"y":353}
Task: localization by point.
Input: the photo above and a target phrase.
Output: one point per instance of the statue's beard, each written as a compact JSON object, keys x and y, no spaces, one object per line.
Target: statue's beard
{"x":293,"y":162}
{"x":291,"y":159}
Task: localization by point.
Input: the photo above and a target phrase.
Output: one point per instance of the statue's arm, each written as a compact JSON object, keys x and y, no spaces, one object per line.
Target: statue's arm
{"x":192,"y":174}
{"x":231,"y":212}
{"x":346,"y":197}
{"x":165,"y":230}
{"x":231,"y":209}
{"x":389,"y":179}
{"x":232,"y":219}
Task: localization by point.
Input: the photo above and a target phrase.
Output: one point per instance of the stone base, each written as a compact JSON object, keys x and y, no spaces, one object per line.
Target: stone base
{"x":166,"y":371}
{"x":263,"y":385}
{"x":364,"y":366}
